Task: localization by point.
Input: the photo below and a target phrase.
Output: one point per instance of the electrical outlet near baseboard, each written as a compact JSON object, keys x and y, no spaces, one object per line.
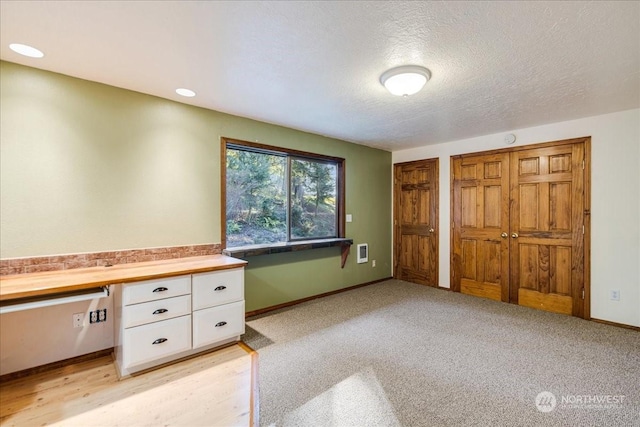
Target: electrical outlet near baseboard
{"x":98,"y":316}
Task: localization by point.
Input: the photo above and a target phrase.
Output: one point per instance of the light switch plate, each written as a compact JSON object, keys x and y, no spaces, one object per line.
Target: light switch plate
{"x":349,"y":218}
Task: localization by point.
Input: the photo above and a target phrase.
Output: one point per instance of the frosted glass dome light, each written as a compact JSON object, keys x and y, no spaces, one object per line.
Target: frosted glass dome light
{"x":405,"y":80}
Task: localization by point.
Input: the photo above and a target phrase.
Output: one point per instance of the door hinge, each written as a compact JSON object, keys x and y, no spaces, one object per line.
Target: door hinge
{"x":583,"y":164}
{"x":453,"y":225}
{"x":582,"y":293}
{"x":395,"y":222}
{"x":582,"y":228}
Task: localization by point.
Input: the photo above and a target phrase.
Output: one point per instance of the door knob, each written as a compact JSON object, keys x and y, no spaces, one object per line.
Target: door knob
{"x":514,"y":235}
{"x":504,"y":235}
{"x":431,"y":230}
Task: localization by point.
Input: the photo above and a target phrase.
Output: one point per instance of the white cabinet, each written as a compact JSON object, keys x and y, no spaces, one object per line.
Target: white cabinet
{"x":217,"y":287}
{"x":151,"y":290}
{"x":148,"y":343}
{"x":161,"y":320}
{"x":218,"y":306}
{"x":215,"y":324}
{"x":153,"y":311}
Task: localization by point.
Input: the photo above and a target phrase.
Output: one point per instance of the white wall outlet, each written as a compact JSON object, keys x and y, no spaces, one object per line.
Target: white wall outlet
{"x":349,"y":218}
{"x":615,"y":295}
{"x":78,"y":320}
{"x":98,"y":316}
{"x":373,"y":263}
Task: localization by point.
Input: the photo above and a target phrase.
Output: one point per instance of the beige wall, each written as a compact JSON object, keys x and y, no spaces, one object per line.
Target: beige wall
{"x":615,"y":210}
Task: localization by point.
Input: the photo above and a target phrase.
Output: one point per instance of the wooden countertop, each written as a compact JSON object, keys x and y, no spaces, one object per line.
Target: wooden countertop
{"x":54,"y":282}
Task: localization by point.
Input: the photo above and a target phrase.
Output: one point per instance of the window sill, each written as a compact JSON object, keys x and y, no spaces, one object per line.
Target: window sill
{"x":278,"y":248}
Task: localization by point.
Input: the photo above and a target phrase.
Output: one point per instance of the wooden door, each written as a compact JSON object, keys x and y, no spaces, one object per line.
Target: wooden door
{"x":415,"y":222}
{"x":520,"y":222}
{"x":547,"y":218}
{"x":481,"y":226}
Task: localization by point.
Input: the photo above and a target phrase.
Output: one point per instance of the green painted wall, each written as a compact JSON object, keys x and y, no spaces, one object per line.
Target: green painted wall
{"x":86,"y":167}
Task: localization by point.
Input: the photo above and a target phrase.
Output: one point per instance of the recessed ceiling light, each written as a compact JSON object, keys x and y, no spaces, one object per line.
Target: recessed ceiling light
{"x":185,"y":92}
{"x":405,"y":80}
{"x":25,"y":50}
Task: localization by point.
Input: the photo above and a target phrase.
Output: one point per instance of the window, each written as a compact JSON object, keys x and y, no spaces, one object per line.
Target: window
{"x":275,"y":195}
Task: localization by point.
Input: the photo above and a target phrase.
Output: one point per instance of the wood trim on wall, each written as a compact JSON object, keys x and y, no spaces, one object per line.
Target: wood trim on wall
{"x":618,"y":325}
{"x":587,"y":229}
{"x":301,"y":300}
{"x":342,"y":211}
{"x":437,"y":222}
{"x":454,"y":285}
{"x":341,"y":176}
{"x":397,"y":183}
{"x":526,"y":147}
{"x":273,"y":148}
{"x":223,"y":192}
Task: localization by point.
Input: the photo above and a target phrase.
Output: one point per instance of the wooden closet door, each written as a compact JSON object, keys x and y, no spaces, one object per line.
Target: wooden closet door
{"x":480,"y":261}
{"x":415,"y":222}
{"x":547,"y":228}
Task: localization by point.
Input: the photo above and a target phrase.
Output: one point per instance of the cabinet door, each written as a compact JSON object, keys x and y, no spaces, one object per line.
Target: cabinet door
{"x":154,"y":311}
{"x":219,"y":323}
{"x":150,"y":290}
{"x":217,"y":287}
{"x":154,"y":341}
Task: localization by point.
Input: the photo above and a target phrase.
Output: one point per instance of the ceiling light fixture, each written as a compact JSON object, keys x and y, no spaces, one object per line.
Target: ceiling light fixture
{"x":185,"y":92}
{"x":25,"y":50}
{"x":405,"y":80}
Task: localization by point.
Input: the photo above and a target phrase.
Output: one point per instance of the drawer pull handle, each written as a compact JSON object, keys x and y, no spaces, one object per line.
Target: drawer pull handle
{"x":220,"y":288}
{"x":160,"y":311}
{"x":161,"y":289}
{"x":159,"y":341}
{"x":220,"y":324}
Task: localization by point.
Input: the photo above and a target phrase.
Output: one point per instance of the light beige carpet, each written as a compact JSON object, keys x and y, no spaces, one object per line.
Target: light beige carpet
{"x":397,"y":353}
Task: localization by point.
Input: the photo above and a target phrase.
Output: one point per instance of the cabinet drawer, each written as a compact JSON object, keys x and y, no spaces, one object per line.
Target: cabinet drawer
{"x":218,"y":323}
{"x":153,"y":311}
{"x":170,"y":337}
{"x":151,"y":290}
{"x":217,"y":287}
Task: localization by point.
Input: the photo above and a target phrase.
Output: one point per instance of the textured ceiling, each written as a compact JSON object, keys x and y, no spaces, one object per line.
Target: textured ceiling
{"x":315,"y":66}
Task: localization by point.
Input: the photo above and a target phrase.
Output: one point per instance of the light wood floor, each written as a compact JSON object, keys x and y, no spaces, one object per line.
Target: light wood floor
{"x":214,"y":389}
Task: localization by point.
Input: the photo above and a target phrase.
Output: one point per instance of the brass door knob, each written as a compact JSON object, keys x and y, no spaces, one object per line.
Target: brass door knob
{"x":431,"y":230}
{"x":504,"y":235}
{"x":514,"y":235}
